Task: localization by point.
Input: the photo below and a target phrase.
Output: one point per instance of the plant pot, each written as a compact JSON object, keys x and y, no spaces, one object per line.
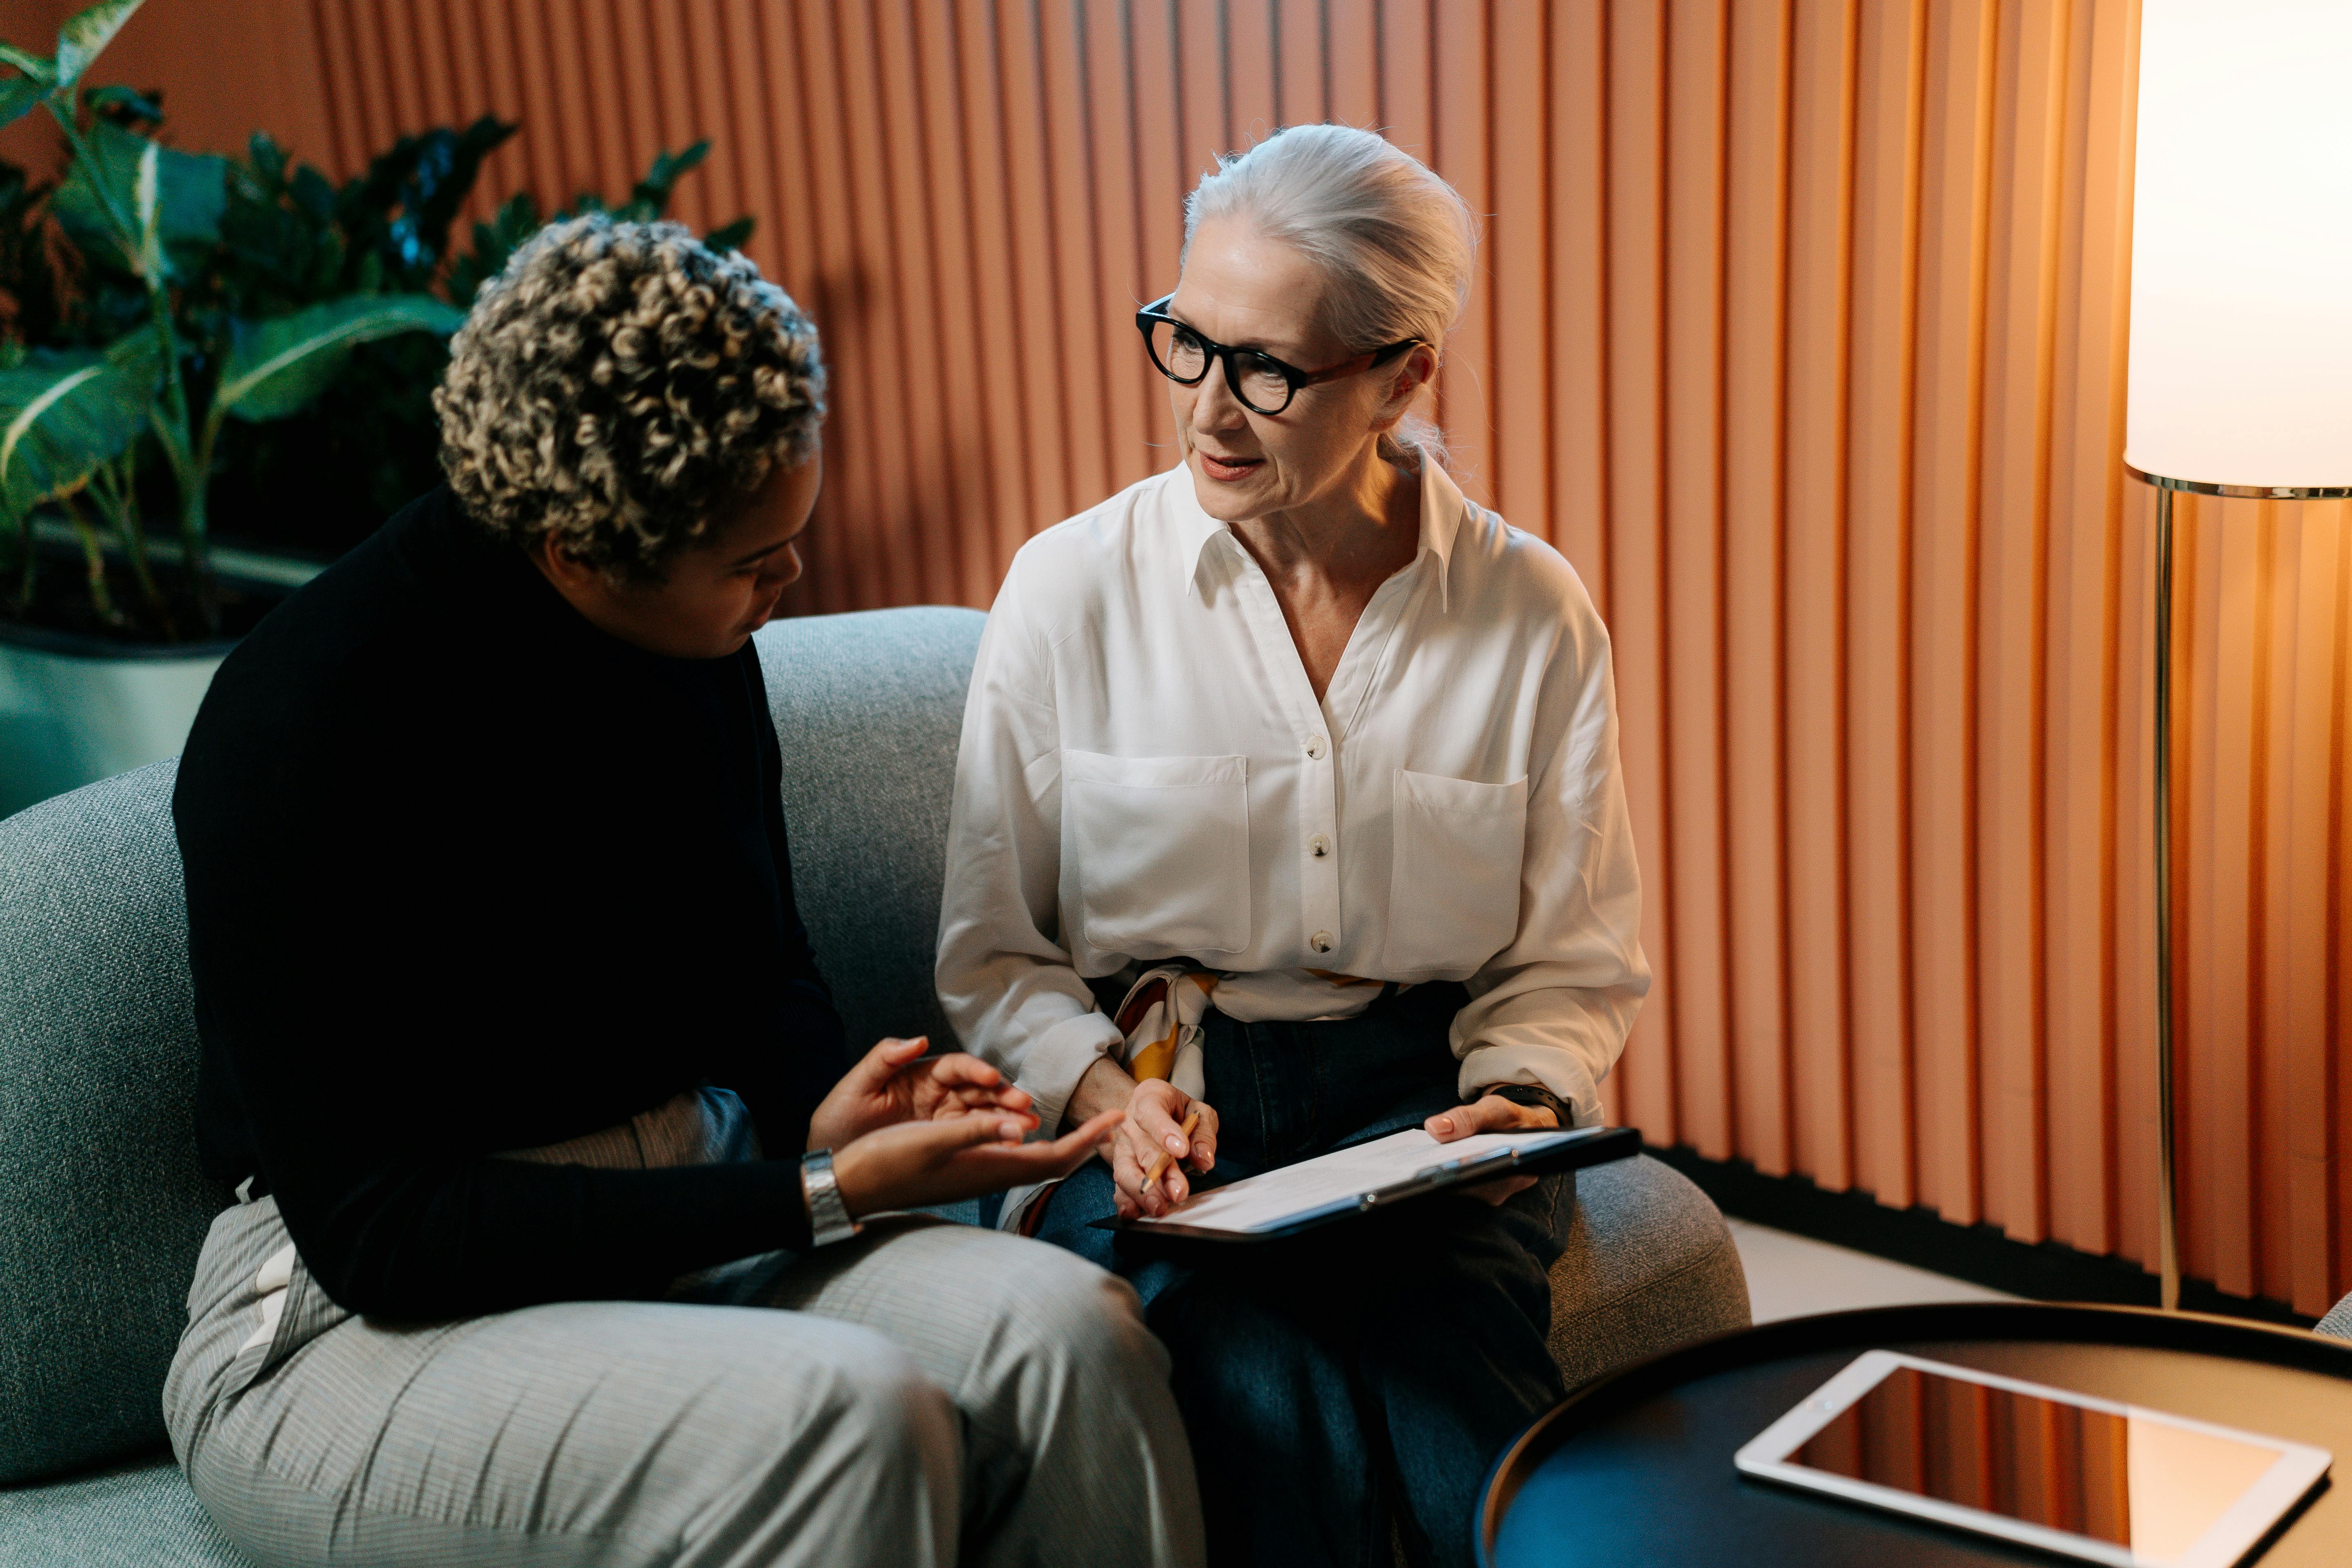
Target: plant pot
{"x":76,"y":708}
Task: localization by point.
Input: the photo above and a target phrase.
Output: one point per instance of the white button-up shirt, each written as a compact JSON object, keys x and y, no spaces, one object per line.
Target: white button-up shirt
{"x":1146,"y":774}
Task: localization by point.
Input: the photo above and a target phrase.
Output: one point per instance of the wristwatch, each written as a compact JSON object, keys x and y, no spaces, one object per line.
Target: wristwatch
{"x":829,"y":1218}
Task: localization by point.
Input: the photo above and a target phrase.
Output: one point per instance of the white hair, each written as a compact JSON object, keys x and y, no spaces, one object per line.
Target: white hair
{"x":1394,"y":242}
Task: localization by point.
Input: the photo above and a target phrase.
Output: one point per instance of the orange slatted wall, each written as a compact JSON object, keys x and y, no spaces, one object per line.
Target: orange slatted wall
{"x":1801,"y":329}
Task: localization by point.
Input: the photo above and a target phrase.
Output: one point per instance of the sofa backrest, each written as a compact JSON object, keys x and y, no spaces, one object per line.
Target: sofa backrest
{"x":868,"y":709}
{"x":103,"y":1207}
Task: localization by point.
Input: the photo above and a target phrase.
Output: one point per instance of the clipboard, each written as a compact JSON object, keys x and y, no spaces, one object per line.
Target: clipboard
{"x":1524,"y":1155}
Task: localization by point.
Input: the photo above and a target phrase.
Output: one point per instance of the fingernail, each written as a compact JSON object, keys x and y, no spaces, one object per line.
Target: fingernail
{"x":1445,"y":1124}
{"x":1175,"y":1145}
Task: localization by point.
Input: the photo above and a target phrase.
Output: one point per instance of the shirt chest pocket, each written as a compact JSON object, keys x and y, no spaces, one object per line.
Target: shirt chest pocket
{"x":1159,"y":850}
{"x":1454,"y":891}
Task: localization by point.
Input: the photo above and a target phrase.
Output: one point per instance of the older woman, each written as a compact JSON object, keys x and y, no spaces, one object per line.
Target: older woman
{"x":548,"y":1246}
{"x":1301,"y":723}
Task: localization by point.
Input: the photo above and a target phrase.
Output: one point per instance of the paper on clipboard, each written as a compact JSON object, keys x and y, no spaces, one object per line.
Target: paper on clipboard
{"x":1351,"y":1178}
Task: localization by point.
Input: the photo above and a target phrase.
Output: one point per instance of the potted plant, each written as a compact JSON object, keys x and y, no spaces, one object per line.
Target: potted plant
{"x":188,"y":329}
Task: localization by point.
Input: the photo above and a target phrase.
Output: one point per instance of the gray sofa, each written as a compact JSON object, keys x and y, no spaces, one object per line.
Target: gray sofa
{"x":102,"y":1208}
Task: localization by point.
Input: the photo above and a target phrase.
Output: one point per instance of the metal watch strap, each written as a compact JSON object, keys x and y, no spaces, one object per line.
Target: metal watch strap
{"x":829,"y":1218}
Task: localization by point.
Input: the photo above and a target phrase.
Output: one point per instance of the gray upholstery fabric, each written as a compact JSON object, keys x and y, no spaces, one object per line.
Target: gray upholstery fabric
{"x":867,"y":709}
{"x":105,"y":1209}
{"x":2338,"y":1324}
{"x":139,"y":1515}
{"x":1650,"y":1265}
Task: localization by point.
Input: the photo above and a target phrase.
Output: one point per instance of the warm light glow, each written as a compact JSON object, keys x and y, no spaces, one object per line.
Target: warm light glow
{"x":2242,"y":244}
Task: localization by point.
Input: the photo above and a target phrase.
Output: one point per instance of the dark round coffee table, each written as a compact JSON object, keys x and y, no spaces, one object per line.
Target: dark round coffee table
{"x":1637,"y":1469}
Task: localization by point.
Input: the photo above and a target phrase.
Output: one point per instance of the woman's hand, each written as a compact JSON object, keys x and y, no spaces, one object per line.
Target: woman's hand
{"x":913,"y":1164}
{"x":1491,"y":1113}
{"x":1156,"y":1111}
{"x":886,"y":1088}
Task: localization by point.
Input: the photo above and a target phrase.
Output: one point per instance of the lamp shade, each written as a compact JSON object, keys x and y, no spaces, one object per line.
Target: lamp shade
{"x":2242,"y":244}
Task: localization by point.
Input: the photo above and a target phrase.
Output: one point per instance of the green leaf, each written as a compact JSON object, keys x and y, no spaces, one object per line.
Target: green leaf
{"x":190,"y":193}
{"x":40,"y":67}
{"x":86,"y":33}
{"x":668,"y":169}
{"x":18,"y":94}
{"x":731,"y":237}
{"x":120,"y":97}
{"x":63,"y":415}
{"x":147,"y":199}
{"x":276,"y":367}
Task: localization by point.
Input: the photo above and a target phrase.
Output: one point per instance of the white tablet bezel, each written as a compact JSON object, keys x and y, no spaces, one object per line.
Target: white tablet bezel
{"x":2298,"y":1468}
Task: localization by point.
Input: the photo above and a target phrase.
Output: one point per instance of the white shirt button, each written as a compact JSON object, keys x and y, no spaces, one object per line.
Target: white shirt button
{"x":1320,"y":846}
{"x":1316,"y":746}
{"x":1320,"y":941}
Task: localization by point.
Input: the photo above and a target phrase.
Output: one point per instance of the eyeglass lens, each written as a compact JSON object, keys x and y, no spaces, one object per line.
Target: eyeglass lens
{"x":1185,"y":358}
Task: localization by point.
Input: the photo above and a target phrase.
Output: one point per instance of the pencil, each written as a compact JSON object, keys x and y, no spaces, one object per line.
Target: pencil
{"x":1160,"y":1166}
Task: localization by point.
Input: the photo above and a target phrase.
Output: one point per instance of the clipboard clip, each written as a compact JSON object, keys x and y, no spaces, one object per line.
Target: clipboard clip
{"x":1445,"y":1172}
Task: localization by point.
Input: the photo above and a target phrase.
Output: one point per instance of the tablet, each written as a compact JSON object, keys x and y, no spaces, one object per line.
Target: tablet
{"x":2086,"y":1478}
{"x":1373,"y":1175}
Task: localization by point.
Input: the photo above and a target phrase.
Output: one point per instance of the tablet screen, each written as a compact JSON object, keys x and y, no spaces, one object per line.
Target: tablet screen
{"x":2147,"y":1484}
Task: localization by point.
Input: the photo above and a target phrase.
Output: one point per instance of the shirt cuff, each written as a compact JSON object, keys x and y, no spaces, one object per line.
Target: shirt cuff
{"x":1056,"y":1059}
{"x":1545,"y":1067}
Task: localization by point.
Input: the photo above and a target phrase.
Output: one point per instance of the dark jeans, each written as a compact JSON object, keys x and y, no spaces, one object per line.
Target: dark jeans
{"x":1367,"y":1372}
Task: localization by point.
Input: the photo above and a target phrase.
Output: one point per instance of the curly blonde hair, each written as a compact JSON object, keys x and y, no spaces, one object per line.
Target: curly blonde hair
{"x":617,"y":386}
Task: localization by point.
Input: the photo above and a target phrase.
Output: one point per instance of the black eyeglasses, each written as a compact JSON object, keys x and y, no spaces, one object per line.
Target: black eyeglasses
{"x":1264,"y":384}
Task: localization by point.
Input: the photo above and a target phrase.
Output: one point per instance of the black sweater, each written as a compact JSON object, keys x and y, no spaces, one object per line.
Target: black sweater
{"x":466,"y":874}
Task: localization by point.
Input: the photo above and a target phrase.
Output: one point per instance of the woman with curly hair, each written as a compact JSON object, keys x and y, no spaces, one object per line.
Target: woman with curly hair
{"x":513,"y":1042}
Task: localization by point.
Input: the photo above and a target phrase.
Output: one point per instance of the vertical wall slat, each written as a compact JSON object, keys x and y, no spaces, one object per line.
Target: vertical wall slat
{"x":1253,"y":108}
{"x":930,"y":458}
{"x":1073,"y":174}
{"x":1013,"y":361}
{"x":1038,"y":284}
{"x":1461,"y":138}
{"x":1755,"y":390}
{"x":1299,"y":66}
{"x":1635,"y":398}
{"x":1204,"y":92}
{"x":2079,"y":675}
{"x":1946,"y":487}
{"x":2304,"y":703}
{"x":1882,"y":247}
{"x":1352,"y":27}
{"x":2222,"y":893}
{"x":1814,"y":418}
{"x":1407,"y":53}
{"x":1516,"y":252}
{"x":1577,"y":211}
{"x":2020,"y":284}
{"x":1696,"y":64}
{"x":1120,"y":271}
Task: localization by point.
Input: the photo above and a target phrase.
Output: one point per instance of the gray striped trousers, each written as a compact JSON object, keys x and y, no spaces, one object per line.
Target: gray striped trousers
{"x":926,"y":1393}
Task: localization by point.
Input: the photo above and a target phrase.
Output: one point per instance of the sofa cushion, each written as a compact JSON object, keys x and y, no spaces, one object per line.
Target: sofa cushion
{"x":1650,"y":1265}
{"x":139,"y":1515}
{"x":105,"y":1207}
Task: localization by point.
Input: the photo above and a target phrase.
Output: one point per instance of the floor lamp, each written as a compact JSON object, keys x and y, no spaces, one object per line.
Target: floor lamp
{"x":2240,"y":378}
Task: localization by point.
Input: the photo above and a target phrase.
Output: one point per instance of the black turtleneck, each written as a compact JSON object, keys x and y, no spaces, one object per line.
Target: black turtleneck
{"x":466,"y":874}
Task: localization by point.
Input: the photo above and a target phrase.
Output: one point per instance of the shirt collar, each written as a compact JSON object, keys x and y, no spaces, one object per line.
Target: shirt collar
{"x":1443,"y":508}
